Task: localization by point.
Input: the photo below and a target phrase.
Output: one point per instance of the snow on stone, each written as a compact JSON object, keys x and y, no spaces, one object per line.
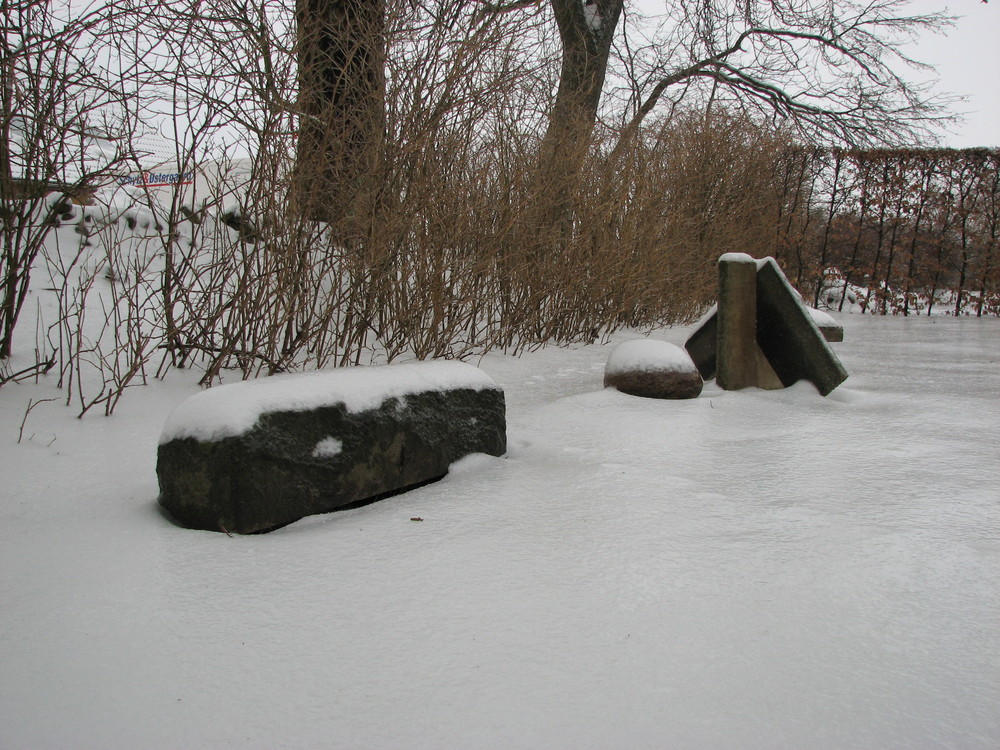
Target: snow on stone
{"x":229,"y":410}
{"x":739,"y":258}
{"x":645,"y":355}
{"x":328,"y":447}
{"x":820,"y":318}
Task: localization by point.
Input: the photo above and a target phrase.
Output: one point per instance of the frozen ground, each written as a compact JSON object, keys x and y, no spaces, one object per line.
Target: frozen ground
{"x":745,"y":570}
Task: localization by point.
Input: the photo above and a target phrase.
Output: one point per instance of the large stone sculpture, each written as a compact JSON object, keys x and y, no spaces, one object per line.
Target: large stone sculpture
{"x":762,"y":334}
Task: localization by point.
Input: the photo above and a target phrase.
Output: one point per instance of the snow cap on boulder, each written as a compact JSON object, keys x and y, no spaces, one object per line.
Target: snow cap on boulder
{"x":652,"y":369}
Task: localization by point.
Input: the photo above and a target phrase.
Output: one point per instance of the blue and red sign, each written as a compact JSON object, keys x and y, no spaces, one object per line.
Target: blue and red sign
{"x":157,"y":179}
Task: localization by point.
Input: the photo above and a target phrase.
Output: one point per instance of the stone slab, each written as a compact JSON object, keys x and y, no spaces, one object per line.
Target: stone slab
{"x":788,"y":336}
{"x":702,"y":346}
{"x":834,"y":334}
{"x":291,"y":464}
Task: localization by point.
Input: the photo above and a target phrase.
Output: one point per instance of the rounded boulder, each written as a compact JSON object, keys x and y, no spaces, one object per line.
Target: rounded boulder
{"x":652,"y":369}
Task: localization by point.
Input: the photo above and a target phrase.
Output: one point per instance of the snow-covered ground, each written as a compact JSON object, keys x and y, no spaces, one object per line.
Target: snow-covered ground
{"x":744,"y":570}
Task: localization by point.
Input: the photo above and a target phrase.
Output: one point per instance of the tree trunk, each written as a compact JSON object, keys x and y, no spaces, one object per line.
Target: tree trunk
{"x":883,"y":210}
{"x":838,"y":160}
{"x":902,"y":165}
{"x":849,"y":269}
{"x":991,"y":194}
{"x":341,"y":105}
{"x":927,"y":169}
{"x":586,"y":31}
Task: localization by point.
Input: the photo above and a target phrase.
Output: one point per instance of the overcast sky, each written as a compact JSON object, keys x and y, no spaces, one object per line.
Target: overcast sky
{"x":968,"y":63}
{"x":967,"y":60}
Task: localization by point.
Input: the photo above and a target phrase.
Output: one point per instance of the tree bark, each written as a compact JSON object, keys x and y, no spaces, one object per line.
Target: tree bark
{"x":341,"y":106}
{"x":586,"y":32}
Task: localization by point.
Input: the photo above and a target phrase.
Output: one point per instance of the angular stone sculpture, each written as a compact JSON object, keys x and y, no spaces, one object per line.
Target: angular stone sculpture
{"x":784,"y":344}
{"x":652,"y":369}
{"x":258,"y":455}
{"x":703,"y":342}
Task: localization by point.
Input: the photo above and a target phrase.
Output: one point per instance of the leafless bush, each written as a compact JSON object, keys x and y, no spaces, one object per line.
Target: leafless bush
{"x":439,"y":253}
{"x":61,"y":129}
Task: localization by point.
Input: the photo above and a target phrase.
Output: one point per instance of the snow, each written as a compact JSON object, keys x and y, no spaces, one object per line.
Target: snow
{"x":741,"y":258}
{"x":328,"y":447}
{"x":592,"y":16}
{"x":752,"y":569}
{"x":819,"y":317}
{"x":233,"y":409}
{"x":645,"y":355}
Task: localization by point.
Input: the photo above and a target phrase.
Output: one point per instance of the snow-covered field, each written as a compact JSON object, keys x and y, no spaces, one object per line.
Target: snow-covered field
{"x":744,"y":570}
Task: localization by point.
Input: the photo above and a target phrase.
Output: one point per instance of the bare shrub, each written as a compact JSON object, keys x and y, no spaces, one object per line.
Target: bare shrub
{"x":440,"y":252}
{"x":60,"y":117}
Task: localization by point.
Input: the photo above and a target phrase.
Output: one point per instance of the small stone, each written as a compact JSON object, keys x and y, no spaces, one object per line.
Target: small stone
{"x":652,"y":369}
{"x":833,"y":334}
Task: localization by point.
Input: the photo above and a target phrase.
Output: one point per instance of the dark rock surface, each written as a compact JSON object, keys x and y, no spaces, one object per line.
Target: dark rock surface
{"x":291,"y":464}
{"x":657,"y":383}
{"x":702,"y":346}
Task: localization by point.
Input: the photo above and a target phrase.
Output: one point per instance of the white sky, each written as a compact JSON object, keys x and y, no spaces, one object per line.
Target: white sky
{"x":968,"y":61}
